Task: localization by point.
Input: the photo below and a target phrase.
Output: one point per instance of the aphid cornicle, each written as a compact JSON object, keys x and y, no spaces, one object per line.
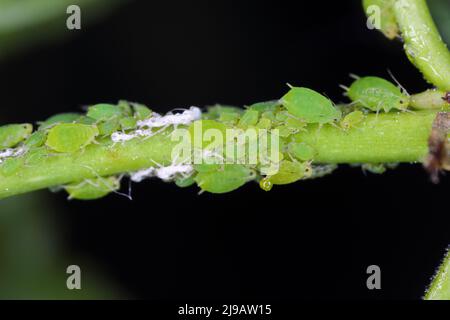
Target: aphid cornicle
{"x":70,"y":137}
{"x":12,"y":134}
{"x":310,"y":106}
{"x":377,"y":94}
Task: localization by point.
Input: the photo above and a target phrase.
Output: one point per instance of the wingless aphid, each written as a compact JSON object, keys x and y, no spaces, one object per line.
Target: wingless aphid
{"x":377,"y":94}
{"x":351,"y":120}
{"x":12,"y":134}
{"x":290,"y":172}
{"x":92,"y":189}
{"x":226,"y":179}
{"x":310,"y":106}
{"x":70,"y":137}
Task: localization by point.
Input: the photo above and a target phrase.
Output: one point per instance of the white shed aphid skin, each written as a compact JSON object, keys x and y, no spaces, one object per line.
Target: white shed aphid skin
{"x":167,"y":174}
{"x":12,"y":153}
{"x":157,"y":121}
{"x":321,"y":170}
{"x":184,"y":118}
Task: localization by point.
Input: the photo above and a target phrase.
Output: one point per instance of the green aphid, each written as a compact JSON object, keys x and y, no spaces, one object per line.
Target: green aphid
{"x":68,"y":117}
{"x":310,"y":106}
{"x":285,"y":131}
{"x":290,"y":171}
{"x":264,"y":123}
{"x":12,"y":134}
{"x":351,"y":120}
{"x":141,"y":112}
{"x":185,"y":182}
{"x":36,"y":156}
{"x":265,"y":184}
{"x":382,"y":15}
{"x":282,"y":116}
{"x":302,"y":151}
{"x":431,"y":99}
{"x":125,"y":107}
{"x":268,"y":106}
{"x":249,"y":118}
{"x":71,"y":137}
{"x":107,"y":128}
{"x":204,"y":167}
{"x":92,"y":189}
{"x":230,"y":118}
{"x":104,"y":111}
{"x":85,"y":120}
{"x":36,"y":140}
{"x":296,"y":123}
{"x":377,"y":94}
{"x":230,"y":177}
{"x":376,"y":168}
{"x":268,"y":115}
{"x":198,"y":128}
{"x":11,"y":165}
{"x":128,"y":123}
{"x":214,"y":112}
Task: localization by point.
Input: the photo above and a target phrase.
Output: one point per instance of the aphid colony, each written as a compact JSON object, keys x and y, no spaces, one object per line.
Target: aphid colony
{"x":299,"y":110}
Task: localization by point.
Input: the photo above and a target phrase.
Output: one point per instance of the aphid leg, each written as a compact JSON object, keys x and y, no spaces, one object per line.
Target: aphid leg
{"x":105,"y":183}
{"x":345,"y":88}
{"x":354,"y":76}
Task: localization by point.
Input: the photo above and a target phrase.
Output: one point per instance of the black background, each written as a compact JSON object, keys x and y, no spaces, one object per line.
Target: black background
{"x":309,"y":240}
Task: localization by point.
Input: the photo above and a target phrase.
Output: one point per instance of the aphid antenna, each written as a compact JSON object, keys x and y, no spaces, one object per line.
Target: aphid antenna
{"x":156,"y":132}
{"x":398,"y":82}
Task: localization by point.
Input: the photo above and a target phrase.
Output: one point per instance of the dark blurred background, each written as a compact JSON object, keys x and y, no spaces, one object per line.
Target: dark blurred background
{"x":310,"y":240}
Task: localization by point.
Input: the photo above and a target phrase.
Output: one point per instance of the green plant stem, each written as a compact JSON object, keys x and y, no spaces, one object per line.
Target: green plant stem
{"x":384,"y":138}
{"x":393,"y":137}
{"x":440,"y":287}
{"x":423,"y":44}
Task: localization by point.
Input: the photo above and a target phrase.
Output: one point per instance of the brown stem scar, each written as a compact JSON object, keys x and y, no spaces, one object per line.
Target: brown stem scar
{"x":438,"y":157}
{"x":446,"y":97}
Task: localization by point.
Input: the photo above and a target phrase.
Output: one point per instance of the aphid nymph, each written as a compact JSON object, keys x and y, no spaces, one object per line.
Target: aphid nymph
{"x":377,"y":94}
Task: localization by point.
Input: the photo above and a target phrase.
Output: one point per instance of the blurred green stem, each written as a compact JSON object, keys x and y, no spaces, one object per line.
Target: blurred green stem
{"x":440,"y":287}
{"x":423,"y":44}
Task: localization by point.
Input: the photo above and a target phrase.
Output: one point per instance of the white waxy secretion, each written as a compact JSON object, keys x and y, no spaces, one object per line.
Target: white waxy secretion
{"x":157,"y":121}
